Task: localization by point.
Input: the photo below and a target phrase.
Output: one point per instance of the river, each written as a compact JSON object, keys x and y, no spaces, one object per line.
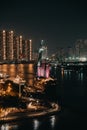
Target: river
{"x":71,"y":94}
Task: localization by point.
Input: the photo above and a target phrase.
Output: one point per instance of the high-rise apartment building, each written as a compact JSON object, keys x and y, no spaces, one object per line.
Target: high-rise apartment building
{"x":26,"y":52}
{"x":30,"y":50}
{"x":3,"y":45}
{"x":6,"y":45}
{"x":14,"y":48}
{"x":9,"y":45}
{"x":20,"y":47}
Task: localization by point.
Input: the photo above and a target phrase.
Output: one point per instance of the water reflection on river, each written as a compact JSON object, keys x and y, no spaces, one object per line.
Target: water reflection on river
{"x":25,"y":71}
{"x":32,"y":124}
{"x":71,"y":93}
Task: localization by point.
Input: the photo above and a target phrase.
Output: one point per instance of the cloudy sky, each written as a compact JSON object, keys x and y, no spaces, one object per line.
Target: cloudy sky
{"x":59,"y":23}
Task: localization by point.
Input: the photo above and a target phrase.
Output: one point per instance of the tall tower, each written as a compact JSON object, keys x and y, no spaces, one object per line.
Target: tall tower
{"x":16,"y":48}
{"x":42,"y":65}
{"x":20,"y":47}
{"x":26,"y":50}
{"x":3,"y":45}
{"x":10,"y":41}
{"x":42,"y":52}
{"x":30,"y":50}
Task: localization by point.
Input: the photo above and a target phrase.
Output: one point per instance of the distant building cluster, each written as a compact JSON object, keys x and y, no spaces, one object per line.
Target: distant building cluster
{"x":14,"y":48}
{"x":76,"y":52}
{"x":79,"y":51}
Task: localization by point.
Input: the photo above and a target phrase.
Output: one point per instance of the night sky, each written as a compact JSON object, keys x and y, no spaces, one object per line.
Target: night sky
{"x":59,"y":23}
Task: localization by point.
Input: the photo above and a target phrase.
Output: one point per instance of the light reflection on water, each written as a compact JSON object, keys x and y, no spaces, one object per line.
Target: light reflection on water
{"x":25,"y":71}
{"x":80,"y":76}
{"x":53,"y":121}
{"x":71,"y":74}
{"x":36,"y":124}
{"x":9,"y":127}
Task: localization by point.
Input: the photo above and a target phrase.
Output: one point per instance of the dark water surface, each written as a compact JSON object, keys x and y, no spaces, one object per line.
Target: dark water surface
{"x":70,"y":93}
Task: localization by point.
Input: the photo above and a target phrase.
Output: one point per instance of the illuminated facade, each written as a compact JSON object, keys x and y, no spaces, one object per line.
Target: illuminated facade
{"x":43,"y":68}
{"x":14,"y":48}
{"x":42,"y":51}
{"x":25,"y":50}
{"x":20,"y":47}
{"x":9,"y":45}
{"x":3,"y":45}
{"x":30,"y":50}
{"x":6,"y":45}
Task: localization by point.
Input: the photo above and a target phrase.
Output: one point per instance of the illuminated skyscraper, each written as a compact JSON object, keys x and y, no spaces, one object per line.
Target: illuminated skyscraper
{"x":9,"y":46}
{"x":3,"y":45}
{"x":43,"y":67}
{"x":14,"y":48}
{"x":25,"y":50}
{"x":42,"y":51}
{"x":30,"y":50}
{"x":6,"y":45}
{"x":10,"y":41}
{"x":20,"y":47}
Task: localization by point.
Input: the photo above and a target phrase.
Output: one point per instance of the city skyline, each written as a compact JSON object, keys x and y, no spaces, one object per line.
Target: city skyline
{"x":14,"y":47}
{"x":60,"y":24}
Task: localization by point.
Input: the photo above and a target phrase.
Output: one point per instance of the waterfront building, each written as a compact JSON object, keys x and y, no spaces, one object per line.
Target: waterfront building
{"x":25,"y":55}
{"x":43,"y":67}
{"x":2,"y":45}
{"x":9,"y":45}
{"x":6,"y":45}
{"x":14,"y":48}
{"x":30,"y":50}
{"x":20,"y":47}
{"x":26,"y":50}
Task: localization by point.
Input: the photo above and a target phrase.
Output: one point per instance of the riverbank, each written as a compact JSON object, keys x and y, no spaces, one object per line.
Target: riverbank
{"x":15,"y":114}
